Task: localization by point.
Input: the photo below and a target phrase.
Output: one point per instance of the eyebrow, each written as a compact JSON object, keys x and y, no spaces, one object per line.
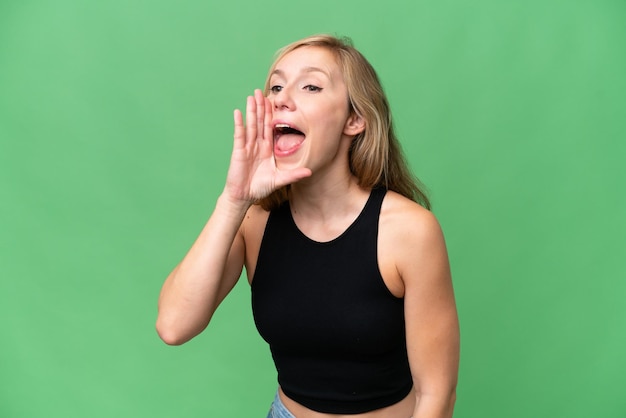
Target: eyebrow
{"x":304,"y":70}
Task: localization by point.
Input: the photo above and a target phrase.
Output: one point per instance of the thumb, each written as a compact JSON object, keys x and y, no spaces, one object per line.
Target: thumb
{"x":286,"y":177}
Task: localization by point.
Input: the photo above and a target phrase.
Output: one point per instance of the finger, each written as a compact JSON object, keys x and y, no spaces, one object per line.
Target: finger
{"x":260,"y":114}
{"x":268,"y":129}
{"x":250,"y":119}
{"x":240,"y":132}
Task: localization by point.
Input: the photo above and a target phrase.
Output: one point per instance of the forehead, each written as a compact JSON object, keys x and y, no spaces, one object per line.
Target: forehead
{"x":307,"y":58}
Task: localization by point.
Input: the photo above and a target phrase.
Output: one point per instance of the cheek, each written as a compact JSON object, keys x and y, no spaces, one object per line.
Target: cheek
{"x":333,"y":113}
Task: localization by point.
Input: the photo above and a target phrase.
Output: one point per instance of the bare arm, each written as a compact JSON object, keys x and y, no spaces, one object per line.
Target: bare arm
{"x":194,"y":289}
{"x":209,"y":271}
{"x":431,"y":315}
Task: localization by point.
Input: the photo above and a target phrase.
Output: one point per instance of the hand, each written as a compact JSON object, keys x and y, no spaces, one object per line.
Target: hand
{"x":252,"y":174}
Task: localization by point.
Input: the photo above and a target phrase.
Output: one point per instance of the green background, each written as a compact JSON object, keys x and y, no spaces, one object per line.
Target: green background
{"x":116,"y":130}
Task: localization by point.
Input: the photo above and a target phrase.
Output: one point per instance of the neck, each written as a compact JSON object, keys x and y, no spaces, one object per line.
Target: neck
{"x":324,"y":199}
{"x":331,"y":192}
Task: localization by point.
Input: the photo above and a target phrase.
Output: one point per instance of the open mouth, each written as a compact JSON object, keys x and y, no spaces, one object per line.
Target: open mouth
{"x":287,"y":139}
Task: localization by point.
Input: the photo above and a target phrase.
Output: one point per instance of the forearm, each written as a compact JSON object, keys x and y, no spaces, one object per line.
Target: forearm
{"x":195,"y":287}
{"x":435,"y":406}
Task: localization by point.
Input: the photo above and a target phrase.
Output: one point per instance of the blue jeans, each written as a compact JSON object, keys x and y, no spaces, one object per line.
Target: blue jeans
{"x":278,"y":410}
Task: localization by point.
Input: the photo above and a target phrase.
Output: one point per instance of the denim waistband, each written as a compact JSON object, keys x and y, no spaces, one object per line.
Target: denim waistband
{"x":278,"y":410}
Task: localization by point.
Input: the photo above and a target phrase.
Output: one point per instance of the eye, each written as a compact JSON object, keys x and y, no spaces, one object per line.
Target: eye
{"x":312,"y":88}
{"x":276,"y":88}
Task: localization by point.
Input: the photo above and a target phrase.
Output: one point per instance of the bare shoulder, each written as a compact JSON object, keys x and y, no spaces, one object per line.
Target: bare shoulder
{"x":252,"y":230}
{"x":407,"y":220}
{"x":256,"y":218}
{"x":410,"y":238}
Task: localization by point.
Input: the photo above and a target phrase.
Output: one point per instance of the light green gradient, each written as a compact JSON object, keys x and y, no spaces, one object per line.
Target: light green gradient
{"x":115,"y":133}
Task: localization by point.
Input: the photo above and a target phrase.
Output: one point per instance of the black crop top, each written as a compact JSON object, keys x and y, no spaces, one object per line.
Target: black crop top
{"x":335,"y":331}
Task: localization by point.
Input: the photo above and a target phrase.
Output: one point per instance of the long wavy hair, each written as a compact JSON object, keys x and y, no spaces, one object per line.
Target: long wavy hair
{"x":376,"y":157}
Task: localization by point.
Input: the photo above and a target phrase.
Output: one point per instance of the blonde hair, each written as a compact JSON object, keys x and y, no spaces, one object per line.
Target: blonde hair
{"x":376,"y":157}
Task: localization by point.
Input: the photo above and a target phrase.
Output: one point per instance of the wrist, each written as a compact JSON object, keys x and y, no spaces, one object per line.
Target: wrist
{"x":233,"y":205}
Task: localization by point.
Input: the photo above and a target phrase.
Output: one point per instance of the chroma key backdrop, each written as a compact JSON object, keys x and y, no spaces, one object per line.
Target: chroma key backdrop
{"x":115,"y":136}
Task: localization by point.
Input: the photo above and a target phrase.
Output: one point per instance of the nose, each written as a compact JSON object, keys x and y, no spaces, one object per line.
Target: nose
{"x":282,"y":100}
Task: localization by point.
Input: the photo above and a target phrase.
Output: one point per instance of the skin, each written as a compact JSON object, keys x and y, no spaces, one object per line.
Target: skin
{"x":308,"y":91}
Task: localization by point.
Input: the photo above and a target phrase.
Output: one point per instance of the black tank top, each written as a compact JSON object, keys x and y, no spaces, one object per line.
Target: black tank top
{"x":335,"y":331}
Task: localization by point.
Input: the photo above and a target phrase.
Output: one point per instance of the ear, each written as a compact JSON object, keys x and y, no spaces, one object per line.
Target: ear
{"x":354,"y":125}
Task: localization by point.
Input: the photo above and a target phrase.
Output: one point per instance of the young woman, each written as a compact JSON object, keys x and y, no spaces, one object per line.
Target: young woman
{"x":348,"y":268}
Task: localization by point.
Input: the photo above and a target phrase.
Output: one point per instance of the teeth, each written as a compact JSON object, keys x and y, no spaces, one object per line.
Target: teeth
{"x":282,"y":125}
